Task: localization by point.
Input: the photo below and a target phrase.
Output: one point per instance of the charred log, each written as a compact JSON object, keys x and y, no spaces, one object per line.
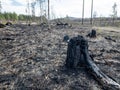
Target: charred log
{"x":8,"y":23}
{"x":63,"y":25}
{"x":7,"y":39}
{"x":2,"y":25}
{"x":109,"y":38}
{"x":77,"y":55}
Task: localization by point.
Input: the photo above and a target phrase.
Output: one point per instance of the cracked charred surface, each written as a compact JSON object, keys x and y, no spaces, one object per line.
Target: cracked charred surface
{"x":35,"y":58}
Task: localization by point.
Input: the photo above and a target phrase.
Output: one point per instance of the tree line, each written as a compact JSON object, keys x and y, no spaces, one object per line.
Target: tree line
{"x":8,"y":16}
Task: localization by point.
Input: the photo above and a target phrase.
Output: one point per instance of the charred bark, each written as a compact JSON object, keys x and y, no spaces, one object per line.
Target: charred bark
{"x":74,"y":55}
{"x":77,"y":55}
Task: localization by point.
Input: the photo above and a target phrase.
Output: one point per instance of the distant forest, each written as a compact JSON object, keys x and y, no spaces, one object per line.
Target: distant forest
{"x":8,"y":16}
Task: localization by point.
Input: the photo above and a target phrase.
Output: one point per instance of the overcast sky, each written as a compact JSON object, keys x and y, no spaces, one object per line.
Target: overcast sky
{"x":61,"y":8}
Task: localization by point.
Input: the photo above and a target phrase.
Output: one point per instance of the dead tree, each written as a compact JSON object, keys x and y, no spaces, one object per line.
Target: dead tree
{"x":91,"y":20}
{"x":33,"y":10}
{"x":0,"y":6}
{"x":83,"y":11}
{"x":77,"y":55}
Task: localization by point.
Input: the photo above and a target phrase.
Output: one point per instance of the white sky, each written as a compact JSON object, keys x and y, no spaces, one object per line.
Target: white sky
{"x":61,"y":8}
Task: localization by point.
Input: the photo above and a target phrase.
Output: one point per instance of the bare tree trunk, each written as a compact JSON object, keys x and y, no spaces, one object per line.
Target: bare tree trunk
{"x":83,"y":12}
{"x":91,"y":20}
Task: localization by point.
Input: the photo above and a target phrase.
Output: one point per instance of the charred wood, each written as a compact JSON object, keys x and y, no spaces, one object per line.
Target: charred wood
{"x":66,"y":38}
{"x":7,"y":39}
{"x":2,"y":25}
{"x":78,"y":55}
{"x":63,"y":25}
{"x":8,"y":23}
{"x":109,"y":38}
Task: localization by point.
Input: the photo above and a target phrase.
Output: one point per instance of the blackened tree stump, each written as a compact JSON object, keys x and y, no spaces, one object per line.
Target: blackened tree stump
{"x":74,"y":52}
{"x":92,"y":34}
{"x":77,"y":55}
{"x":66,"y":38}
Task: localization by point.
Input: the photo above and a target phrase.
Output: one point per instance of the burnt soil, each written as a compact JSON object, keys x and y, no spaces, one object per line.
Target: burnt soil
{"x":33,"y":58}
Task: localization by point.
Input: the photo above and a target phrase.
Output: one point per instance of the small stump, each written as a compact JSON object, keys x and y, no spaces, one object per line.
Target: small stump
{"x":92,"y":34}
{"x":66,"y":38}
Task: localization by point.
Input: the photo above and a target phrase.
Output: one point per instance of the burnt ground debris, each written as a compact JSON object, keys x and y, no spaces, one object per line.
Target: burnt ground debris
{"x":35,"y":59}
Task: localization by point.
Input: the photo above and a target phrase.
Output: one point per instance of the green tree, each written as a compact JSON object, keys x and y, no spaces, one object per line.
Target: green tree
{"x":7,"y":16}
{"x":15,"y":16}
{"x":21,"y":17}
{"x":2,"y":16}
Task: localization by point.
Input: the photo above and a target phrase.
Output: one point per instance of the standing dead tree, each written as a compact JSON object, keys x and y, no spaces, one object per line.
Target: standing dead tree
{"x":83,"y":11}
{"x":0,"y":7}
{"x":42,"y":6}
{"x":91,"y":20}
{"x":33,"y":9}
{"x":78,"y":55}
{"x":28,"y":12}
{"x":48,"y":9}
{"x":114,"y":15}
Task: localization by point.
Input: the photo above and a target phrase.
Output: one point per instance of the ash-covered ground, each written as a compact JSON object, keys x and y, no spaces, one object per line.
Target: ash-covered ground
{"x":33,"y":58}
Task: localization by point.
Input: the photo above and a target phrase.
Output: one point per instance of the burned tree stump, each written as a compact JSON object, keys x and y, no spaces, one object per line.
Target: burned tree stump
{"x":66,"y":38}
{"x":92,"y":34}
{"x":74,"y":55}
{"x":77,"y":55}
